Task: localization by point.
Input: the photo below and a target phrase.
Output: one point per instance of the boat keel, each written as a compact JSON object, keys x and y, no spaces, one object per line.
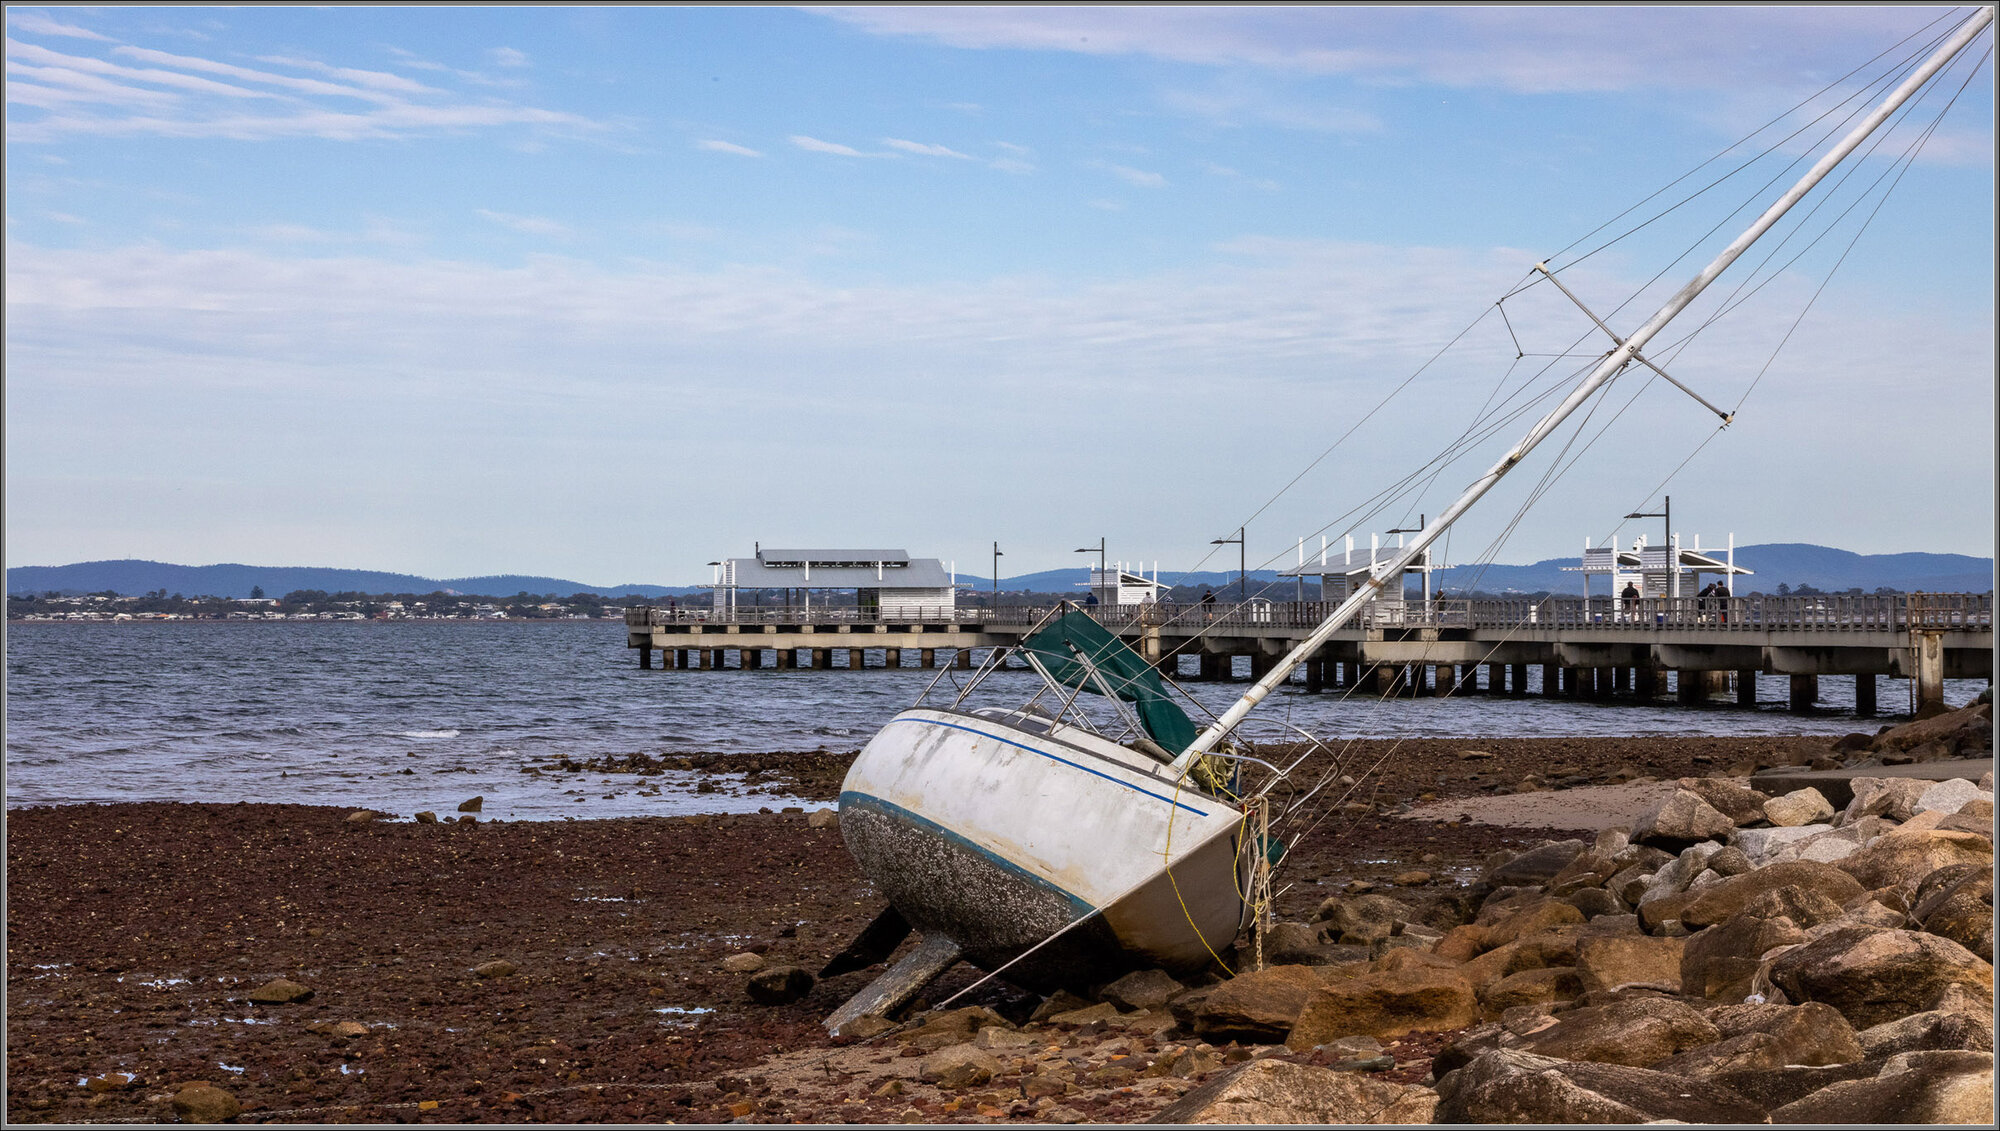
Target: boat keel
{"x":902,"y":982}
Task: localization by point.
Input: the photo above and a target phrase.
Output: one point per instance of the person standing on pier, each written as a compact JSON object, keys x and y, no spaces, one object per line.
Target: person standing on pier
{"x":1208,"y":604}
{"x":1630,"y":598}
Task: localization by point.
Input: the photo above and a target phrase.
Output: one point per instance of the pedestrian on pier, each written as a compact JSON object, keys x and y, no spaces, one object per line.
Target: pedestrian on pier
{"x":1208,"y":604}
{"x":1630,"y":598}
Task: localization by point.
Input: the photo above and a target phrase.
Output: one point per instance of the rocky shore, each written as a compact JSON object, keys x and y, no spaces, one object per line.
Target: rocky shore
{"x":289,"y":964}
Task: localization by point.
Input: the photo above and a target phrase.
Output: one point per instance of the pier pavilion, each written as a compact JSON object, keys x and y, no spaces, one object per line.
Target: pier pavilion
{"x":887,"y":583}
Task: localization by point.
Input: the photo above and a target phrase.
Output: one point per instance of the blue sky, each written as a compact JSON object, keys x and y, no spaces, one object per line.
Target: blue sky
{"x":608,"y":293}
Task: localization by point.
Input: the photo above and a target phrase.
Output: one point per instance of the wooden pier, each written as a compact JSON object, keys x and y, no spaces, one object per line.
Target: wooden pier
{"x":1596,"y":648}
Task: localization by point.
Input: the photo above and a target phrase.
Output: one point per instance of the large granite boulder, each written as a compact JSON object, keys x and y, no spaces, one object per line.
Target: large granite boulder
{"x":1682,"y":818}
{"x":1894,"y":798}
{"x":1726,"y":898}
{"x":1540,"y":987}
{"x":1510,"y":1086}
{"x":1938,"y":1087}
{"x":1931,"y":1030}
{"x":1811,"y":1034}
{"x":1734,"y":799}
{"x":1610,"y":963}
{"x":1636,"y":1031}
{"x":1531,"y":919}
{"x":1385,"y":1003}
{"x":1806,"y":806}
{"x":1258,"y":1006}
{"x":1949,"y":796}
{"x":1874,"y":975}
{"x":1904,"y":858}
{"x":1362,"y":918}
{"x":1142,"y":989}
{"x":1537,"y":865}
{"x":1721,"y":963}
{"x":1959,"y":908}
{"x":1259,"y":1092}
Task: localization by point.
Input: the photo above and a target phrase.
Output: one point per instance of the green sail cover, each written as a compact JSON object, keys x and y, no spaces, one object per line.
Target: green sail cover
{"x":1127,"y":673}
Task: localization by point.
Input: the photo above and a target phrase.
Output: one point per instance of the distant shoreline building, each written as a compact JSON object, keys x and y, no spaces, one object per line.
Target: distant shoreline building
{"x":884,"y":582}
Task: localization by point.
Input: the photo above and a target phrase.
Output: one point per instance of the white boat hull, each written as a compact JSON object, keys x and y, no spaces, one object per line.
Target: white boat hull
{"x":998,"y":836}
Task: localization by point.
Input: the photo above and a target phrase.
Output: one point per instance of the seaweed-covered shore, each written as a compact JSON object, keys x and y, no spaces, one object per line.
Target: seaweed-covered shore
{"x":572,"y":971}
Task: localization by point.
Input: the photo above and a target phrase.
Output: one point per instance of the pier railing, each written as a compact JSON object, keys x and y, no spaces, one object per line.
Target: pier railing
{"x":1951,"y":612}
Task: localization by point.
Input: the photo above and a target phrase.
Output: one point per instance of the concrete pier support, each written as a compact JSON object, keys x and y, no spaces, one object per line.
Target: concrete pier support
{"x":1261,"y":665}
{"x":1315,"y":676}
{"x":1210,"y":666}
{"x":1805,"y":692}
{"x":857,"y":659}
{"x":927,"y":658}
{"x":1621,"y":678}
{"x":1689,"y":687}
{"x":822,"y":659}
{"x":1864,"y":694}
{"x":683,"y":658}
{"x":1929,"y":647}
{"x":962,"y":660}
{"x":1604,"y":681}
{"x":709,"y":658}
{"x":1577,"y":681}
{"x":750,"y":659}
{"x":1447,"y":680}
{"x":892,"y":657}
{"x":1746,"y":687}
{"x":1517,"y":679}
{"x":1496,"y":679}
{"x":646,"y":658}
{"x":1646,"y":681}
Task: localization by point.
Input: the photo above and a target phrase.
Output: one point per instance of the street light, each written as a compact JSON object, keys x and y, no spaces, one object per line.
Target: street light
{"x":997,"y":555}
{"x":1666,"y":512}
{"x":1242,"y":563}
{"x":1101,"y":564}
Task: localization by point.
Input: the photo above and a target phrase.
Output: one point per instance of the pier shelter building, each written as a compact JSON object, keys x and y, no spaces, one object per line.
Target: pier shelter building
{"x":1343,"y":572}
{"x":885,"y":583}
{"x":1121,"y":586}
{"x":1671,"y":570}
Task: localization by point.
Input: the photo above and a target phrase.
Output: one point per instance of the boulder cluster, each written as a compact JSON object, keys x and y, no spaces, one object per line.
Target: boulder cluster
{"x":1732,"y":957}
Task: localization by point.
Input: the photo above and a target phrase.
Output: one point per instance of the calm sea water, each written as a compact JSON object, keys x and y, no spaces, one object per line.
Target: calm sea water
{"x":334,"y":713}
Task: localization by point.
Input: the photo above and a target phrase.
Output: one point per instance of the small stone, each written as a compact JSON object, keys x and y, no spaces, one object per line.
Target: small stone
{"x":426,"y":817}
{"x":472,"y":804}
{"x":960,"y":1066}
{"x":1411,"y":879}
{"x":823,"y":819}
{"x":1142,"y":989}
{"x":343,"y":1029}
{"x":111,"y":1082}
{"x":362,"y":816}
{"x":743,"y":963}
{"x":205,"y":1103}
{"x":496,"y":968}
{"x":280,"y":992}
{"x":779,"y":985}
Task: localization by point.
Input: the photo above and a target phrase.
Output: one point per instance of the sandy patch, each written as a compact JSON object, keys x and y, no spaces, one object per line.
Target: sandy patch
{"x":1585,"y":807}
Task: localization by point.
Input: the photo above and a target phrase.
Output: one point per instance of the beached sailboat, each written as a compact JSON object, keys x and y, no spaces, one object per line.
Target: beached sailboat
{"x":1056,"y":851}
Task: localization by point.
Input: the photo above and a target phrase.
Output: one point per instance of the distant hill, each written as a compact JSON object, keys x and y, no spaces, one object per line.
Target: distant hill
{"x":1775,"y":563}
{"x":132,"y":577}
{"x":1789,"y":563}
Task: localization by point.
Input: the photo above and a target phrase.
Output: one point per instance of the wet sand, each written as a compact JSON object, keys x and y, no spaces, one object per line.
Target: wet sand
{"x":136,"y":931}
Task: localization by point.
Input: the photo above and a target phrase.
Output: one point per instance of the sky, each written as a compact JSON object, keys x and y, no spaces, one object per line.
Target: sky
{"x":610,"y":293}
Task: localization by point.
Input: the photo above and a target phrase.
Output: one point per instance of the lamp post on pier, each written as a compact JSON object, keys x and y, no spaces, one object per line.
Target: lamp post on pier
{"x":1101,"y":564}
{"x":1242,"y":564}
{"x":997,"y":555}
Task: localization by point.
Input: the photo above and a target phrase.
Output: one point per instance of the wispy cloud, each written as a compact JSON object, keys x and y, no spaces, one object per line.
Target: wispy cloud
{"x":1139,"y":177}
{"x":35,"y":23}
{"x":144,"y":91}
{"x":1514,"y":48}
{"x":815,"y":145}
{"x":715,"y":146}
{"x":64,"y":218}
{"x":926,"y":150}
{"x":507,"y":57}
{"x":526,"y":225}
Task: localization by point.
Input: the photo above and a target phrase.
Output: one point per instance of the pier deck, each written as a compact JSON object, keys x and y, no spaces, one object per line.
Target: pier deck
{"x":1585,"y":648}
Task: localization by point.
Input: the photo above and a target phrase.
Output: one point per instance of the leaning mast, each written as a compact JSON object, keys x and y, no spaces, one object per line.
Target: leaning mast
{"x":1613,"y":363}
